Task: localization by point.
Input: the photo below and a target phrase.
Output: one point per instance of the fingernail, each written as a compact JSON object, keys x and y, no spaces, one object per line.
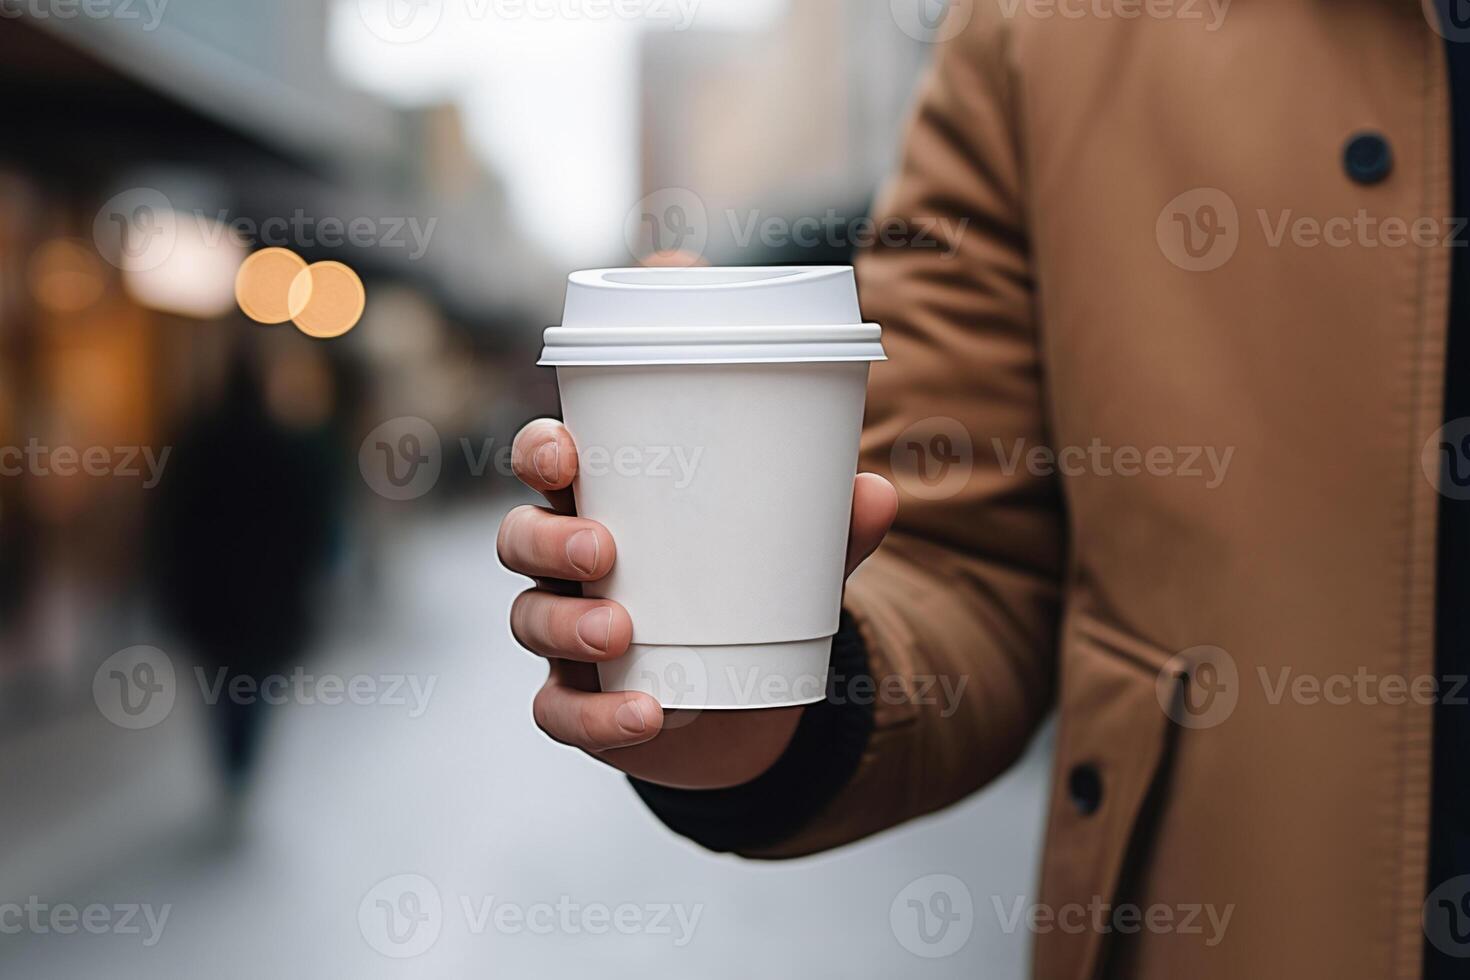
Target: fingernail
{"x":595,"y":628}
{"x":582,"y":549}
{"x":629,"y":717}
{"x":543,"y":461}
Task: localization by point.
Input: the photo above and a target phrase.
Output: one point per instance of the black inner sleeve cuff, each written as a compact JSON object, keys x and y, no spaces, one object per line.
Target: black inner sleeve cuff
{"x":823,"y":755}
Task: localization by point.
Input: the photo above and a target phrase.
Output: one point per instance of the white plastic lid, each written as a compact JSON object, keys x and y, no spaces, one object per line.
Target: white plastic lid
{"x":711,"y":316}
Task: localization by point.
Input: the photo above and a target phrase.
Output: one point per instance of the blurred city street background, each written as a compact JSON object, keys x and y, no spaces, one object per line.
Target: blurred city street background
{"x":179,"y":484}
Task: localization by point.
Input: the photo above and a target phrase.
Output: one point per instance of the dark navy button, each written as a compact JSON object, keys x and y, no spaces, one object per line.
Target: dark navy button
{"x":1085,"y":787}
{"x":1367,"y":158}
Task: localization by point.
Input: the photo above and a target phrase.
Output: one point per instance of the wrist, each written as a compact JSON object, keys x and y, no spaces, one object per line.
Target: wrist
{"x":819,"y":758}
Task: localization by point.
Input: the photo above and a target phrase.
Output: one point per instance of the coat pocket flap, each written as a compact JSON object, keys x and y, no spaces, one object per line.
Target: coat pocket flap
{"x":1112,"y":739}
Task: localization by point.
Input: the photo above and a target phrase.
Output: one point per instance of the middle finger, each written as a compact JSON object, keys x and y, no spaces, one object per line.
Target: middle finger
{"x":541,"y":544}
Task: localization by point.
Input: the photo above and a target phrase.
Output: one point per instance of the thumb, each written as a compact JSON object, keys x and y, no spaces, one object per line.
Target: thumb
{"x":874,"y":506}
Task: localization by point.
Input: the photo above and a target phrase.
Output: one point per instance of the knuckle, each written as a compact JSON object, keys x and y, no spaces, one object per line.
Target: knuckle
{"x":548,"y":540}
{"x":520,"y":612}
{"x":586,"y":724}
{"x":544,"y":618}
{"x":542,"y":538}
{"x":510,"y":532}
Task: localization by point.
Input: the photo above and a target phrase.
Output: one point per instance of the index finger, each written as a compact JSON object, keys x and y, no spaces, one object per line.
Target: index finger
{"x":544,"y":458}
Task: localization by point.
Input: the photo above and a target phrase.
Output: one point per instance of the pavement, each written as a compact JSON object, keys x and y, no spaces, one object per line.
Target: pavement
{"x":422,"y":827}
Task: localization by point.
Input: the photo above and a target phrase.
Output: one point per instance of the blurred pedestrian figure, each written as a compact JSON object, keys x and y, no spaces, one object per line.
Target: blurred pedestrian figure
{"x":243,"y":530}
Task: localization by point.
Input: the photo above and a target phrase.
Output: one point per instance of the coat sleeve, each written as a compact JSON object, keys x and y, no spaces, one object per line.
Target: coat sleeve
{"x":957,"y":611}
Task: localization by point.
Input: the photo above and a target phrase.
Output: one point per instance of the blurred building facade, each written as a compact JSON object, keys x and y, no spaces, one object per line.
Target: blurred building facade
{"x":823,"y":95}
{"x":217,"y":131}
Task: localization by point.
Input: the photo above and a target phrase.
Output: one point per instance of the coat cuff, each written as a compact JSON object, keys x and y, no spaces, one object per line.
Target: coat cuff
{"x":823,"y":755}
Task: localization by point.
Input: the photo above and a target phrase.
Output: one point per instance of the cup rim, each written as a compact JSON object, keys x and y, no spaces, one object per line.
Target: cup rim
{"x":703,"y":278}
{"x":765,"y":344}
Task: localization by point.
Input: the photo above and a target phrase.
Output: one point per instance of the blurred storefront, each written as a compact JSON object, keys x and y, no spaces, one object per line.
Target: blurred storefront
{"x":143,"y":162}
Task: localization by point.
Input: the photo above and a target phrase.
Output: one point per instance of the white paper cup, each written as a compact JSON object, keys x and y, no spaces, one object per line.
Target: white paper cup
{"x":716,"y":414}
